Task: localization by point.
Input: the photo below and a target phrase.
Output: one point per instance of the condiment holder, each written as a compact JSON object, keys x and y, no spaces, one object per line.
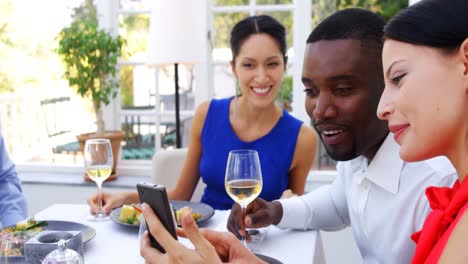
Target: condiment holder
{"x":37,"y":248}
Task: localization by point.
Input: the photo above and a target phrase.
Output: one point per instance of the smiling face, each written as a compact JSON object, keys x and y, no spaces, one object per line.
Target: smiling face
{"x":259,"y":68}
{"x":343,"y":84}
{"x":424,"y":101}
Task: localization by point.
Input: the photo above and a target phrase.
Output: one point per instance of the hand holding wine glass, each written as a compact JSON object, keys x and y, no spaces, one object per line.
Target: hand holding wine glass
{"x":98,"y":161}
{"x":243,"y":179}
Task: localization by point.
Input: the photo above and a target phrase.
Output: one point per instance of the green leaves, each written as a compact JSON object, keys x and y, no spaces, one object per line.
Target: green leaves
{"x":386,"y":8}
{"x":90,"y":56}
{"x":38,"y":224}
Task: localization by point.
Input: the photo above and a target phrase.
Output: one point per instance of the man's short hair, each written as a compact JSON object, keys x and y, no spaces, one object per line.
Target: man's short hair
{"x":352,"y":23}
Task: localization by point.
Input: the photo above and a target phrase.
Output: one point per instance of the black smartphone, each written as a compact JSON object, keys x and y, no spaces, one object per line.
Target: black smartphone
{"x":156,"y":196}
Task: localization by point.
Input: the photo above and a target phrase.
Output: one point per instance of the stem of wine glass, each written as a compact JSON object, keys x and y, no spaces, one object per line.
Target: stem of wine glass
{"x":245,"y":228}
{"x":99,"y":186}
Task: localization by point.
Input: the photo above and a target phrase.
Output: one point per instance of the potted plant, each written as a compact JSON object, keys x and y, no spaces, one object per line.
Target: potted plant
{"x":90,"y":56}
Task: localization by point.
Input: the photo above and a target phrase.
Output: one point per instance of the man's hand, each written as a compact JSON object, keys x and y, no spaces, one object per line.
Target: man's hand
{"x":210,"y":246}
{"x":259,"y":213}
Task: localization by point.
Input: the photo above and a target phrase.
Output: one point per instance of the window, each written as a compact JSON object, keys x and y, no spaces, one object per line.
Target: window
{"x":31,"y":73}
{"x":139,"y":93}
{"x":142,"y":87}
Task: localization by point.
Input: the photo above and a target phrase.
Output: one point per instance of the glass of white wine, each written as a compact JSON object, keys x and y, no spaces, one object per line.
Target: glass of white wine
{"x":243,"y":179}
{"x":98,"y":161}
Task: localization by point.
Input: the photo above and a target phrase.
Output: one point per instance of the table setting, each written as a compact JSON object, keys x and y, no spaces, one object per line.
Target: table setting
{"x":70,"y":230}
{"x":31,"y":241}
{"x":115,"y":243}
{"x":112,"y":242}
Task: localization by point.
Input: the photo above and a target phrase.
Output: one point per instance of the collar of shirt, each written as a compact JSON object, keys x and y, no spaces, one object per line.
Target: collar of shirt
{"x":384,"y":167}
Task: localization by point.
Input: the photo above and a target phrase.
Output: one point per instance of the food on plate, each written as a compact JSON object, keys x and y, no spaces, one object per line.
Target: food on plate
{"x":30,"y":224}
{"x":130,"y":214}
{"x":17,"y":235}
{"x":178,"y":214}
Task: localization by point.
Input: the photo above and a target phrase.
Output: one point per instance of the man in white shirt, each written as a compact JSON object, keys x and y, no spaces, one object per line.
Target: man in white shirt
{"x":375,"y":192}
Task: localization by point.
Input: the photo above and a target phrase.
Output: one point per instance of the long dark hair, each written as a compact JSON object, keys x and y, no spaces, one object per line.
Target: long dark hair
{"x":441,"y":24}
{"x":254,"y":25}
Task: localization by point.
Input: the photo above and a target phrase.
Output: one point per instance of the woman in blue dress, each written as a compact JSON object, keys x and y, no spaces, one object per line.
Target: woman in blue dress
{"x":251,"y":120}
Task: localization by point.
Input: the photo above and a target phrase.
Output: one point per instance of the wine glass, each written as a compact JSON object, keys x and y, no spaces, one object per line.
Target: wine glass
{"x":243,"y":179}
{"x":11,"y":245}
{"x":98,"y":161}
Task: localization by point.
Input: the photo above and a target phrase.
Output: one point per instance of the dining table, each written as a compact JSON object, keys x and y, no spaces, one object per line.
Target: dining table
{"x":116,"y":243}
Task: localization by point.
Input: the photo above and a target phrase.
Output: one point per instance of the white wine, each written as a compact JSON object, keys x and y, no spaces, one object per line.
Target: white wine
{"x":99,"y":173}
{"x":243,"y":191}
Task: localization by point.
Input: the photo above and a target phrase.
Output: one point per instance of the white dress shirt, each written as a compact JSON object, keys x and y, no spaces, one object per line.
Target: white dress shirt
{"x":384,"y":202}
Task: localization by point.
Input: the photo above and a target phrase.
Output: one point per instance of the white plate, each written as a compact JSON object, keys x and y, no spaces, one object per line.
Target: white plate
{"x":205,"y":210}
{"x":114,"y":215}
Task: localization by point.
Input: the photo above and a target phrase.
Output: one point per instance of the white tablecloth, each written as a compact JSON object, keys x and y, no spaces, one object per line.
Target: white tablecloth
{"x":114,"y":243}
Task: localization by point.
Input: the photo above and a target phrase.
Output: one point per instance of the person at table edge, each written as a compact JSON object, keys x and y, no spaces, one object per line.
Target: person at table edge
{"x":12,"y":202}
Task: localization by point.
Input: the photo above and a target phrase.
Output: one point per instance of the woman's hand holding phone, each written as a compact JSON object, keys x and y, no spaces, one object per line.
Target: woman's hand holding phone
{"x":210,"y":246}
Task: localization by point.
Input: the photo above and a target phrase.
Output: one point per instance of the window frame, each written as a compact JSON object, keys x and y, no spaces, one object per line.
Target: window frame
{"x":302,"y":16}
{"x":108,"y":14}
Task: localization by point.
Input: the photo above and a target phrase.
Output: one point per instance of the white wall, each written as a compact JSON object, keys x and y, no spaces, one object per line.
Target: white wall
{"x":41,"y":196}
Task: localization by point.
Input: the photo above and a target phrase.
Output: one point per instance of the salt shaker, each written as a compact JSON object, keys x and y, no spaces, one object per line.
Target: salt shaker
{"x":63,"y":255}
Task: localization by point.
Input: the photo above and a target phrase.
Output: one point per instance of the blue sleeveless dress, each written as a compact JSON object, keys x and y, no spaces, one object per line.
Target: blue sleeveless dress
{"x":275,"y":150}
